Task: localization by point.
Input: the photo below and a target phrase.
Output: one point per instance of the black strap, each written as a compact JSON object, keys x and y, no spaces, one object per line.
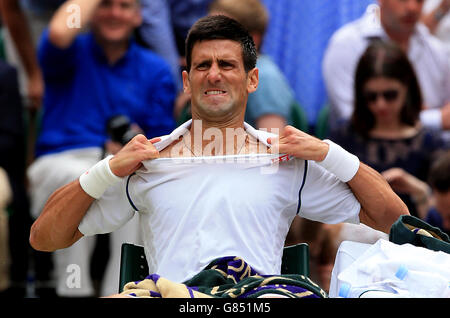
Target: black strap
{"x":301,"y":187}
{"x":128,"y":193}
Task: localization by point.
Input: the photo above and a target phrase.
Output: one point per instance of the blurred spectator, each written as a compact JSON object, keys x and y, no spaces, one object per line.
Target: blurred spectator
{"x":25,"y":20}
{"x":21,"y":20}
{"x":165,"y":24}
{"x":397,"y":21}
{"x":439,"y":180}
{"x":12,"y":148}
{"x":384,"y":129}
{"x":5,"y":199}
{"x":296,"y":39}
{"x":385,"y":132}
{"x":89,"y":79}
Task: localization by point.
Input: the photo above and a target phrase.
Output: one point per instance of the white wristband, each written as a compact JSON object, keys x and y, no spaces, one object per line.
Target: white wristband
{"x":97,"y":179}
{"x":340,"y":162}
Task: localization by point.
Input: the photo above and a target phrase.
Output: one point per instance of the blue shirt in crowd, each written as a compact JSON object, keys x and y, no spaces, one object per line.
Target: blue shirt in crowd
{"x":83,"y":91}
{"x":434,"y":218}
{"x":274,"y":95}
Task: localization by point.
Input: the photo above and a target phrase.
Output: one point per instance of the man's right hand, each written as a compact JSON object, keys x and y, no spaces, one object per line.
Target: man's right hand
{"x":130,"y":157}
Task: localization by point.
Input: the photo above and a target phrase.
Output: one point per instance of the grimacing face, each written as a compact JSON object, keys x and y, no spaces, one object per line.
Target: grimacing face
{"x":115,"y":20}
{"x":217,"y":80}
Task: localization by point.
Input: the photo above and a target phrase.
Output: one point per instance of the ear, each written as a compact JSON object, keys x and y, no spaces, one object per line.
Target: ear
{"x":252,"y":80}
{"x":186,"y":84}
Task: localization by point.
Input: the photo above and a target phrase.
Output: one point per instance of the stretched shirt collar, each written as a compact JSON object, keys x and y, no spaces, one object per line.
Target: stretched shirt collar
{"x":166,"y":140}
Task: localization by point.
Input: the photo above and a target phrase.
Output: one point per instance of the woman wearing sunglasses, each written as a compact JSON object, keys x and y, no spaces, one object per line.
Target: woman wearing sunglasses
{"x":385,"y":130}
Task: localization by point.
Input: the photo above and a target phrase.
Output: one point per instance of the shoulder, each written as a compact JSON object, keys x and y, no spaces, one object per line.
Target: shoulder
{"x":152,"y":68}
{"x":346,"y":32}
{"x":352,"y":38}
{"x":266,"y":64}
{"x":435,"y":46}
{"x":152,"y":59}
{"x":270,"y":73}
{"x":345,"y":47}
{"x":274,"y":93}
{"x":349,"y":34}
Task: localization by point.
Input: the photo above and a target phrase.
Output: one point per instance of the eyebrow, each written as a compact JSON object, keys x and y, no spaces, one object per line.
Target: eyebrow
{"x":221,"y":61}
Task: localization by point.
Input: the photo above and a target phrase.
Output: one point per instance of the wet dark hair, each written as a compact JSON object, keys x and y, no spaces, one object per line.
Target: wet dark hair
{"x":384,"y":59}
{"x":220,"y":27}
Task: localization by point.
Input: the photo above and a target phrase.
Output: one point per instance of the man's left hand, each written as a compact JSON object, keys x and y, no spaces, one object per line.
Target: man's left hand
{"x":299,"y":144}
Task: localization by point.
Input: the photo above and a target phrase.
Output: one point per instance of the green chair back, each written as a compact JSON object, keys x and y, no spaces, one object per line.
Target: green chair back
{"x":2,"y":45}
{"x":296,"y":260}
{"x":298,"y":117}
{"x":322,"y":125}
{"x":185,"y":115}
{"x":133,"y":264}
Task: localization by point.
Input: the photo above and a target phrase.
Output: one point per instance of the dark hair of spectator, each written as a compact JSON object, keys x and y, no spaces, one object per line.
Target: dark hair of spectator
{"x":439,"y":174}
{"x":220,"y":27}
{"x":383,"y":59}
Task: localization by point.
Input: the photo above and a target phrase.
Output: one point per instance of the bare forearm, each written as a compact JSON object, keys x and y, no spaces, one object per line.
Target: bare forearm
{"x":61,"y":32}
{"x":57,"y":226}
{"x":380,"y":206}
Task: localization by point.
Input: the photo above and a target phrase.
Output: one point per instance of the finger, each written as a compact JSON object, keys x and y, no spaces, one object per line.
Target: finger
{"x":287,"y":131}
{"x":155,"y":140}
{"x":273,"y":142}
{"x":388,"y":175}
{"x":283,"y":148}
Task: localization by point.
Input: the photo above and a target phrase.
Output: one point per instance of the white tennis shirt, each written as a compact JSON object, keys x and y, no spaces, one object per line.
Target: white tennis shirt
{"x":193,"y":210}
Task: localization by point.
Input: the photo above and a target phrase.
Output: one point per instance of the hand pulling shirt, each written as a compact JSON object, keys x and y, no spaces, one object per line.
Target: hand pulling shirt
{"x":193,"y":210}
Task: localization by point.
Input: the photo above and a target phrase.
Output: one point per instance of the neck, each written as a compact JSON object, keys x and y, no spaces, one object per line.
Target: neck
{"x":113,"y":54}
{"x":205,"y":124}
{"x":400,"y":38}
{"x":392,"y":130}
{"x":216,"y":138}
{"x":113,"y":50}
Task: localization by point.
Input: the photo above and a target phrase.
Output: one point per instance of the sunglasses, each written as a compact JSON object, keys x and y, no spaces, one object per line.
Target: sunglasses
{"x":389,"y":95}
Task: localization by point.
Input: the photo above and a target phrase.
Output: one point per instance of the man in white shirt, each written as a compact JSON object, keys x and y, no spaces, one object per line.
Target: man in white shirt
{"x":394,"y":20}
{"x":216,"y":186}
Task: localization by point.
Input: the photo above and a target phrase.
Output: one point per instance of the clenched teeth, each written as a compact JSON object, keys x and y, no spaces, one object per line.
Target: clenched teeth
{"x":214,"y":92}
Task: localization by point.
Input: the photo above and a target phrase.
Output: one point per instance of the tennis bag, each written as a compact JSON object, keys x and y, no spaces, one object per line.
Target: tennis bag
{"x":410,"y":229}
